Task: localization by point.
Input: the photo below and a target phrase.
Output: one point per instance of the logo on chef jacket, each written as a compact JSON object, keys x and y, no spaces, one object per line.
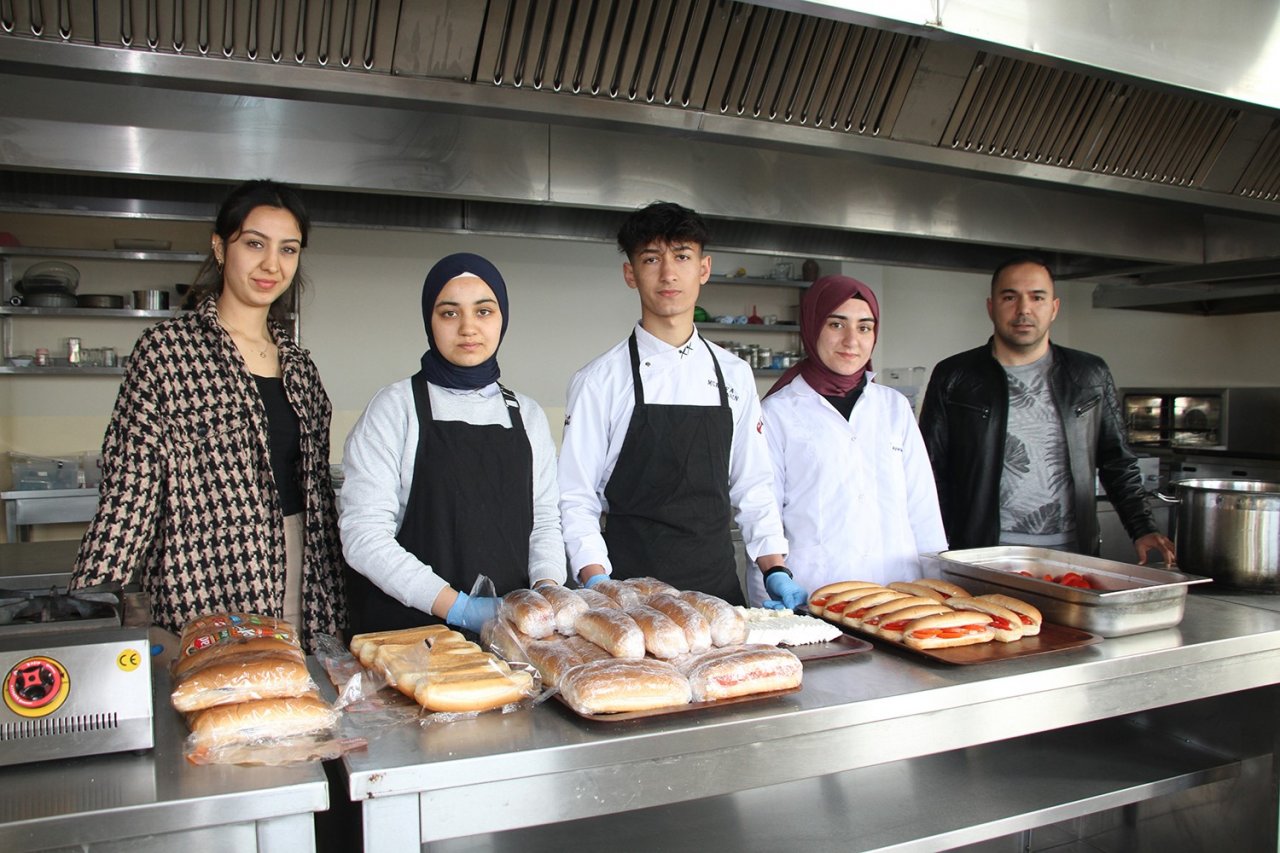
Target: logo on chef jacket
{"x":728,"y":390}
{"x":36,"y":687}
{"x":760,"y":426}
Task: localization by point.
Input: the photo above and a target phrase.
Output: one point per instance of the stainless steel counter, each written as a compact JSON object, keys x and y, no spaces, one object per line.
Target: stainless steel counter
{"x":157,"y":802}
{"x":495,"y":773}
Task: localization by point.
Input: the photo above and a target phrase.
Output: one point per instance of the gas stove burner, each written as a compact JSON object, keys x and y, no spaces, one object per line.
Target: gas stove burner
{"x":56,"y":607}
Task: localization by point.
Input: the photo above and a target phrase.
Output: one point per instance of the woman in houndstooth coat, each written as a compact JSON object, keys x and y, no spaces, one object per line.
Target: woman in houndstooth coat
{"x":215,"y":492}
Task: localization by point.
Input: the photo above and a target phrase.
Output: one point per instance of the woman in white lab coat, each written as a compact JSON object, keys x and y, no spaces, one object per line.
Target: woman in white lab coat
{"x":851,"y":473}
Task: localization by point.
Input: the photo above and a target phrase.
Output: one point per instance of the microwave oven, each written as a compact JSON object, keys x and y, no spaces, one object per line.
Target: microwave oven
{"x":1241,"y":421}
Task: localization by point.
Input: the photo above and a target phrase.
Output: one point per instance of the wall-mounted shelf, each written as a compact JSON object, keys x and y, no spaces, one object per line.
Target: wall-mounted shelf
{"x":58,"y":370}
{"x":107,"y":313}
{"x":759,"y":282}
{"x":787,"y":328}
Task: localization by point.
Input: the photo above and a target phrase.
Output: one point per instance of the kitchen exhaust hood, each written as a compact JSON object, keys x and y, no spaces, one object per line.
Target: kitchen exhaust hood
{"x":938,"y":134}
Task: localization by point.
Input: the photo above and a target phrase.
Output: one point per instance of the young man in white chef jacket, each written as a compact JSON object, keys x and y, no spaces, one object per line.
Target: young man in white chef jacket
{"x":663,"y":435}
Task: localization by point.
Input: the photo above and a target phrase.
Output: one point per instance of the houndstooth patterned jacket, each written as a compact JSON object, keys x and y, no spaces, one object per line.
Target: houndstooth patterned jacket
{"x":188,"y":504}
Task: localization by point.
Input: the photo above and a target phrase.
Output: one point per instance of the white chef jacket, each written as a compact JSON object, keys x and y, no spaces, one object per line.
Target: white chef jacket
{"x":378,"y":463}
{"x":598,"y":410}
{"x":858,"y":497}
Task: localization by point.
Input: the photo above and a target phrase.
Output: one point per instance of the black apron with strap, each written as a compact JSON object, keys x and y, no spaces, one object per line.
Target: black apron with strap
{"x":668,"y":496}
{"x":469,"y":513}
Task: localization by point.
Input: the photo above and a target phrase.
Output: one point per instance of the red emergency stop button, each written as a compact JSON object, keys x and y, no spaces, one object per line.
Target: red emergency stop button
{"x":36,"y":687}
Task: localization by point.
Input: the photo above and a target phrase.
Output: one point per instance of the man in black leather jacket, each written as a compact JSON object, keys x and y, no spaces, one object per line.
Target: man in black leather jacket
{"x":980,"y":468}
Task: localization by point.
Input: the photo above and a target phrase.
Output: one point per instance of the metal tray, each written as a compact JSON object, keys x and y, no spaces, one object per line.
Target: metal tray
{"x":841,"y":646}
{"x":1128,"y":599}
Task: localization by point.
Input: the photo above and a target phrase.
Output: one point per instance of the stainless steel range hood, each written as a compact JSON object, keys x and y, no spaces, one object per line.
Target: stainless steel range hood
{"x":860,"y":130}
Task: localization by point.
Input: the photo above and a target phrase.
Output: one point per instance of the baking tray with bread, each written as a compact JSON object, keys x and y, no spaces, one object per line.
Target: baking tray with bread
{"x":941,"y":621}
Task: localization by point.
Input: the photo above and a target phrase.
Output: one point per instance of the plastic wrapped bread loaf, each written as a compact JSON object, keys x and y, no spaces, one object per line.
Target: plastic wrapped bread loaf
{"x":567,"y":604}
{"x":363,"y":646}
{"x":554,"y":657}
{"x":728,"y":628}
{"x":403,"y":664}
{"x":234,"y":680}
{"x":492,"y":687}
{"x":735,"y":671}
{"x":243,"y":650}
{"x":260,"y":720}
{"x":529,"y":612}
{"x":615,"y":686}
{"x":623,"y":595}
{"x":612,"y":630}
{"x":596,"y":600}
{"x":218,"y":631}
{"x":663,"y":638}
{"x":697,"y":630}
{"x":501,"y":637}
{"x":646,"y":587}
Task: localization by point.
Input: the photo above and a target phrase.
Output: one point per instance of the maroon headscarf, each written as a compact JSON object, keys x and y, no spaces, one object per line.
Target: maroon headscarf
{"x":822,"y":298}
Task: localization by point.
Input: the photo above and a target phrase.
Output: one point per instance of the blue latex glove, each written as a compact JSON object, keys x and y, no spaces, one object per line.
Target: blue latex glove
{"x":472,"y":613}
{"x":595,"y":579}
{"x":787,"y":594}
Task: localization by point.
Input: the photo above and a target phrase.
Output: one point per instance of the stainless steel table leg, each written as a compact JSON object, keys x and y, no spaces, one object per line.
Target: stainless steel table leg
{"x":392,"y":824}
{"x":287,"y":834}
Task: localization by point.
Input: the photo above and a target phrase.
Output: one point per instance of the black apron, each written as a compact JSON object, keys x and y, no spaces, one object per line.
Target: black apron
{"x":469,"y":513}
{"x":669,"y":510}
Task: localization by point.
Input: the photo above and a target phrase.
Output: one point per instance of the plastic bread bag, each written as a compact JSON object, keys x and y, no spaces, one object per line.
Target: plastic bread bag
{"x":237,"y":679}
{"x":489,"y":685}
{"x":215,"y":634}
{"x":270,"y":732}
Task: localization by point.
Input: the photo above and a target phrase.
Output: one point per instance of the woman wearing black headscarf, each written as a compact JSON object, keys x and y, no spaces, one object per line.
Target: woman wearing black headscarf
{"x":448,"y":474}
{"x":851,"y":474}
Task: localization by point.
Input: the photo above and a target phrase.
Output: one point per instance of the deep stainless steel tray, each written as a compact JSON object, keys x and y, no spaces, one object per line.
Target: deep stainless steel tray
{"x":1127,"y":598}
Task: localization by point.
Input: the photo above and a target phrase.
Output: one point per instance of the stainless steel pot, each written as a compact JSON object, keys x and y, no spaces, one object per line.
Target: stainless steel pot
{"x":1229,"y":530}
{"x":151,"y":300}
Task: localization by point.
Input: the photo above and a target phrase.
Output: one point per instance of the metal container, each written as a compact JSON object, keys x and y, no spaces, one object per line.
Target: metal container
{"x":151,"y":300}
{"x":1127,"y":599}
{"x":1230,"y":531}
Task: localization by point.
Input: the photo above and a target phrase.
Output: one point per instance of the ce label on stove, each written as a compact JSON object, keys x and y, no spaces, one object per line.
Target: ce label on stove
{"x":36,"y":687}
{"x":129,"y":660}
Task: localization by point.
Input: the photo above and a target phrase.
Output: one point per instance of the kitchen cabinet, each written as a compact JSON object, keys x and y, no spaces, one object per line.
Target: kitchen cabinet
{"x":783,"y":336}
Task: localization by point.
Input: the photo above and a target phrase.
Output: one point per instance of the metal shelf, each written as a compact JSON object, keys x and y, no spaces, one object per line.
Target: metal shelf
{"x":108,"y":313}
{"x":61,"y":371}
{"x":789,"y":328}
{"x":104,"y":254}
{"x":758,"y":282}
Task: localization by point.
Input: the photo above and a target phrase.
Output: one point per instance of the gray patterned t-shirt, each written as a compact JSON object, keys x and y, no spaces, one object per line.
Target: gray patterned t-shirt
{"x":1035,"y":486}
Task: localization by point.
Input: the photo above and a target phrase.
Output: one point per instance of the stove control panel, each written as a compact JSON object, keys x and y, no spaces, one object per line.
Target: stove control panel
{"x":36,"y":687}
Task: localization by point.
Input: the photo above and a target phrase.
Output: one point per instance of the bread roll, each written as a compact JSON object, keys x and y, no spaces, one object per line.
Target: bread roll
{"x":891,"y":625}
{"x":242,"y":650}
{"x":596,"y":600}
{"x":622,"y":594}
{"x":1007,"y":624}
{"x":505,"y":641}
{"x":261,"y":720}
{"x":947,"y":588}
{"x":853,"y":614}
{"x":362,"y":642}
{"x":567,"y":605}
{"x":1028,"y":614}
{"x":917,"y":589}
{"x":957,"y":628}
{"x":646,"y":587}
{"x":741,"y":671}
{"x":663,"y":638}
{"x":615,"y":686}
{"x":221,"y":629}
{"x":697,"y":630}
{"x":473,"y":692}
{"x":612,"y":630}
{"x":819,"y":597}
{"x":728,"y":628}
{"x":403,"y":664}
{"x":554,"y":657}
{"x":838,"y":603}
{"x":529,"y":612}
{"x":233,"y":681}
